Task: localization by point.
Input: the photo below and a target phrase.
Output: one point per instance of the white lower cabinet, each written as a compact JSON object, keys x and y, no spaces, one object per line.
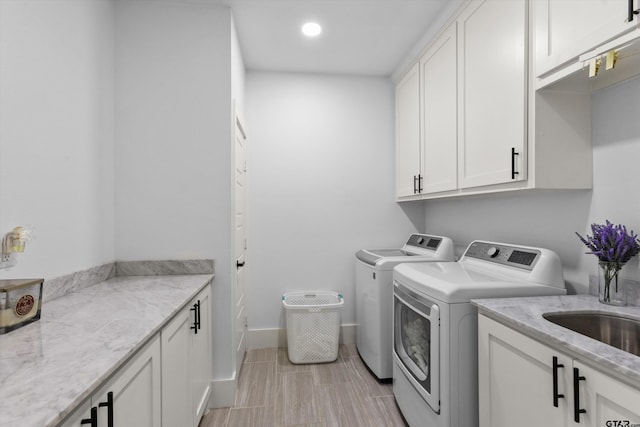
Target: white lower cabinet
{"x":166,"y":383}
{"x":516,"y":379}
{"x":131,"y":398}
{"x":80,"y":414}
{"x":526,"y":383}
{"x":186,"y":364}
{"x":176,"y":406}
{"x":608,"y":402}
{"x":200,"y":358}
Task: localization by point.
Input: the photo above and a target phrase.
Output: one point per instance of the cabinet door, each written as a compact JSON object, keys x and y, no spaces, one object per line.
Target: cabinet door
{"x":565,"y":29}
{"x":201,"y":359}
{"x":83,"y":412}
{"x":492,"y":92}
{"x":186,"y":363}
{"x":176,"y":402}
{"x":408,"y":133}
{"x":439,"y":114}
{"x":607,"y":402}
{"x":516,"y":380}
{"x":134,"y":392}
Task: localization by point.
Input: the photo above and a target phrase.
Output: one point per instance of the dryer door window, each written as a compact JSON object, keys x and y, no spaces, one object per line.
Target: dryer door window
{"x":416,"y":342}
{"x":415,"y":338}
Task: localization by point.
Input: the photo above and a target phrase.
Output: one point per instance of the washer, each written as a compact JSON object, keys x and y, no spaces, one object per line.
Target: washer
{"x":435,"y":355}
{"x":374,"y":295}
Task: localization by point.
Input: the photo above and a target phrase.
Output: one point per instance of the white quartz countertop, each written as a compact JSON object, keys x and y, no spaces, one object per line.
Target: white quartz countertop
{"x":52,"y":365}
{"x":525,"y":315}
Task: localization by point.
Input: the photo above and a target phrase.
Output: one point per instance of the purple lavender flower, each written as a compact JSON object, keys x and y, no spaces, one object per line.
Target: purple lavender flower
{"x":612,"y":243}
{"x":614,"y":247}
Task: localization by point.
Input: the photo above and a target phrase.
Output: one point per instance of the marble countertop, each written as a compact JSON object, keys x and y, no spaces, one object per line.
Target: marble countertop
{"x":52,"y":365}
{"x":525,"y":315}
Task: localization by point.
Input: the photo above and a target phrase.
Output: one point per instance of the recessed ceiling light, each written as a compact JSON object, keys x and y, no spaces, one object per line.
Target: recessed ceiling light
{"x":311,"y":29}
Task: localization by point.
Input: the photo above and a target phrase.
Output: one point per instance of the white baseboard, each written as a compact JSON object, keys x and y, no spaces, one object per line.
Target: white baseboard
{"x":348,"y":334}
{"x":223,"y":393}
{"x":267,"y":338}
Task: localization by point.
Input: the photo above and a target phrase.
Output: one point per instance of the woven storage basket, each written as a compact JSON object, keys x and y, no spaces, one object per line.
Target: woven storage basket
{"x":313,"y":325}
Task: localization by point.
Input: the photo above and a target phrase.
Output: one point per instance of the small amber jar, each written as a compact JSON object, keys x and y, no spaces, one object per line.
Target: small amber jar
{"x":20,"y":303}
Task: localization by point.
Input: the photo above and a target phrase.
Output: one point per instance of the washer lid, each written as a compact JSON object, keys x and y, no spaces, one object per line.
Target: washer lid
{"x":389,"y":252}
{"x":459,"y":283}
{"x":386,"y":259}
{"x":419,"y":247}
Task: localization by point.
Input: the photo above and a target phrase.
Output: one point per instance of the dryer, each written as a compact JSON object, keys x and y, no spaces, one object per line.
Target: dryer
{"x":435,"y":356}
{"x":374,"y":295}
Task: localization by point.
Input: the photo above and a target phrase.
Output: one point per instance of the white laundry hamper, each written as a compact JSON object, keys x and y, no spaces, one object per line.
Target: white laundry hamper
{"x":313,"y":325}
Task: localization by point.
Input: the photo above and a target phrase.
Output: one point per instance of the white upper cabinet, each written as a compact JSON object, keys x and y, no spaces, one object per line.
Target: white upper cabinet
{"x":470,"y":120}
{"x":408,"y":134}
{"x":439,"y":115}
{"x":566,"y":29}
{"x":426,"y":122}
{"x":492,"y":92}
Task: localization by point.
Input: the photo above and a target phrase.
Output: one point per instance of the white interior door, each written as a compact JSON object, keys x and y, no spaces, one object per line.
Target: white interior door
{"x":240,"y":241}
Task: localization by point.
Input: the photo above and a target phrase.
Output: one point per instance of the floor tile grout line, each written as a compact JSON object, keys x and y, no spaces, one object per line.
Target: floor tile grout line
{"x":350,"y":371}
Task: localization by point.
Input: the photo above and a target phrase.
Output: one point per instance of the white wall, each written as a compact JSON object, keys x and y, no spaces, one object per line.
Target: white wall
{"x":157,"y":77}
{"x":321,"y":185}
{"x":172,"y":101}
{"x":550,"y":219}
{"x":56,"y":133}
{"x":430,"y":35}
{"x":238,"y":74}
{"x":173,"y":133}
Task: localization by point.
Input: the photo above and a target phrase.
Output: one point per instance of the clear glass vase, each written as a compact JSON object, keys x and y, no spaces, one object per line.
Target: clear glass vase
{"x":611,"y":289}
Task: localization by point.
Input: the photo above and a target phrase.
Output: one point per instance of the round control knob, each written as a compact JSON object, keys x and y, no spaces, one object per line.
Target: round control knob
{"x":493,"y":252}
{"x":420,"y":240}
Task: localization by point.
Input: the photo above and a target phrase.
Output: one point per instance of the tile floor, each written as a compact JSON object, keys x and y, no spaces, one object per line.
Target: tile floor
{"x":272,"y":392}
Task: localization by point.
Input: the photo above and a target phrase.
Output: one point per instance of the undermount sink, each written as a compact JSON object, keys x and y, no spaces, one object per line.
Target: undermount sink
{"x":617,"y":331}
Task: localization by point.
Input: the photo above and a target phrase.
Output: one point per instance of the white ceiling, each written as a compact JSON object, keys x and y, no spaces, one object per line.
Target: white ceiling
{"x":365,"y":37}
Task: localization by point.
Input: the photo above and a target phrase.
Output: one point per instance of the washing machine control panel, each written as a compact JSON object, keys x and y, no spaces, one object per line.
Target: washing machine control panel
{"x":423,"y":241}
{"x":493,"y":252}
{"x":513,"y":256}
